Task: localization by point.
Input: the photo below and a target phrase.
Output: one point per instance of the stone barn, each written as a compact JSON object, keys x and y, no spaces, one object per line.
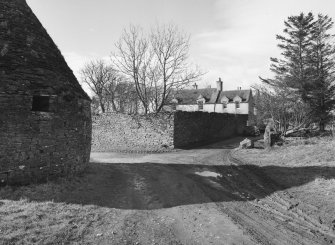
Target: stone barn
{"x":45,"y":116}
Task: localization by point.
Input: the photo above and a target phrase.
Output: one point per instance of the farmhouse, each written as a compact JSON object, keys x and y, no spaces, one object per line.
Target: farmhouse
{"x":45,"y":119}
{"x":215,"y":100}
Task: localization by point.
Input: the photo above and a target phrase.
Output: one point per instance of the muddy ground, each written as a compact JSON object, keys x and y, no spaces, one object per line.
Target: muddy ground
{"x":206,"y":195}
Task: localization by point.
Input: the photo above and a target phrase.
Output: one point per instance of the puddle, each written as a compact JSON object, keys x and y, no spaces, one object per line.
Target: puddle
{"x":208,"y":174}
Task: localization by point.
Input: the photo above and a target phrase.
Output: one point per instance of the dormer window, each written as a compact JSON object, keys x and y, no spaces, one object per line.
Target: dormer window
{"x":174,"y":103}
{"x":200,"y":105}
{"x":224,"y":101}
{"x":237,"y":100}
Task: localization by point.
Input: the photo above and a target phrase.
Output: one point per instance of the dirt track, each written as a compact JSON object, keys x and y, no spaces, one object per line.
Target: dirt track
{"x":200,"y":196}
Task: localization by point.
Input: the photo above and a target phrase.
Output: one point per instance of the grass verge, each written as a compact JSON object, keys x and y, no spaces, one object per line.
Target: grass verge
{"x":305,"y":168}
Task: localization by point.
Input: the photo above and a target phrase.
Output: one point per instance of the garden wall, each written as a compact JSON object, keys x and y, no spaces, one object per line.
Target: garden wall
{"x":163,"y":132}
{"x":122,"y":132}
{"x":194,"y":128}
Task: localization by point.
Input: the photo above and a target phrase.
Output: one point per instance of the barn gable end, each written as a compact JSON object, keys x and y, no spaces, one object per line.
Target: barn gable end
{"x":45,"y":119}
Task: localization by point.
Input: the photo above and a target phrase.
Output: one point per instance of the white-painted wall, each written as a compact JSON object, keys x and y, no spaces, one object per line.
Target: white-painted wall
{"x":187,"y":108}
{"x":244,"y":108}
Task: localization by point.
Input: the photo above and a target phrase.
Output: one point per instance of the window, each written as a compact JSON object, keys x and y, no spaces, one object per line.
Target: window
{"x":200,"y":105}
{"x":237,"y":104}
{"x":41,"y":103}
{"x":224,"y":105}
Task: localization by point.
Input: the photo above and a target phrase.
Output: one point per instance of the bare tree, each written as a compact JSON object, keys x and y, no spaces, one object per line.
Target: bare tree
{"x":171,"y":51}
{"x":126,"y":98}
{"x":102,"y":79}
{"x":288,"y":112}
{"x":95,"y":105}
{"x":133,"y":59}
{"x":155,"y":62}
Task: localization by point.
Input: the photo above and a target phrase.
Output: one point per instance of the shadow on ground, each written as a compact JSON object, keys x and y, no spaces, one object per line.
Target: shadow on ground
{"x":226,"y":144}
{"x":153,"y":186}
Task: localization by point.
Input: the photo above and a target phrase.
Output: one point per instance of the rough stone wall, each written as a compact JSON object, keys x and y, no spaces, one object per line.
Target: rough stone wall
{"x":163,"y":132}
{"x":35,"y":145}
{"x":201,"y":127}
{"x":133,"y":133}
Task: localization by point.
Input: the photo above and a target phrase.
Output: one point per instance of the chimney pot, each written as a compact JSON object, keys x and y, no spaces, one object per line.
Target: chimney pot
{"x":219,"y":85}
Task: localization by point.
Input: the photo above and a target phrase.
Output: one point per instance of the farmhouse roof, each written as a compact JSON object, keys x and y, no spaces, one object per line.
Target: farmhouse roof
{"x":190,"y":96}
{"x":230,"y":94}
{"x":29,"y":59}
{"x":211,"y":95}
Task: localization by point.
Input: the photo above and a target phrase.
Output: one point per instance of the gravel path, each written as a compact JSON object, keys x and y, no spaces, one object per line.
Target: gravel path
{"x":204,"y":196}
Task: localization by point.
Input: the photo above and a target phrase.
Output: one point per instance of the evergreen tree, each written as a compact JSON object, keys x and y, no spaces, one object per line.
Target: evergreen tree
{"x":319,"y":92}
{"x":306,"y":69}
{"x":292,"y":70}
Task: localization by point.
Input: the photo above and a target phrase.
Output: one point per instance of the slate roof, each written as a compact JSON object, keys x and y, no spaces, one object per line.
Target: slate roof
{"x":230,"y":94}
{"x":190,"y":96}
{"x":29,"y":59}
{"x":211,"y":95}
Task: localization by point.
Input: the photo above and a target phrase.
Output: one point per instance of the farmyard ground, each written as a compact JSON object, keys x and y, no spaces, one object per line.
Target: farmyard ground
{"x":208,"y":195}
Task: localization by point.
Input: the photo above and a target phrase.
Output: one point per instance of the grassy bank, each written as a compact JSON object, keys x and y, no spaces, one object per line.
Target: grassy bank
{"x":295,"y":153}
{"x":305,"y":169}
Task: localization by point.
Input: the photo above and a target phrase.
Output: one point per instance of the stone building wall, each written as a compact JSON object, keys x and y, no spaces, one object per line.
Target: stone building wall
{"x":38,"y":145}
{"x":163,"y":132}
{"x":133,"y":133}
{"x":54,"y":136}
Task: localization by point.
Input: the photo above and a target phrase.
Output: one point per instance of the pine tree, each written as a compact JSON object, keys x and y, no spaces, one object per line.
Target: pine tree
{"x":306,"y":69}
{"x":320,"y":90}
{"x":292,"y":70}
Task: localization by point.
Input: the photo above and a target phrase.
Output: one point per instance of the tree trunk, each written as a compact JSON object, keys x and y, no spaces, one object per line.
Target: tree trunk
{"x":114,"y":106}
{"x":102,"y":107}
{"x":322,"y":125}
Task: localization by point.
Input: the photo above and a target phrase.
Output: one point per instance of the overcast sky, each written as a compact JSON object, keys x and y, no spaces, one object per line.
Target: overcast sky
{"x":231,"y":39}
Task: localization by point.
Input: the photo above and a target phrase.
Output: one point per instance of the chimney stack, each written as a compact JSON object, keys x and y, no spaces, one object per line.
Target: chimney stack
{"x":219,"y":85}
{"x":195,"y":86}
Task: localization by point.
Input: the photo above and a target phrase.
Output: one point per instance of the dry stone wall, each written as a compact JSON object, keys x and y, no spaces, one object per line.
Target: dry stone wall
{"x":163,"y":132}
{"x":201,"y":127}
{"x":133,"y":133}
